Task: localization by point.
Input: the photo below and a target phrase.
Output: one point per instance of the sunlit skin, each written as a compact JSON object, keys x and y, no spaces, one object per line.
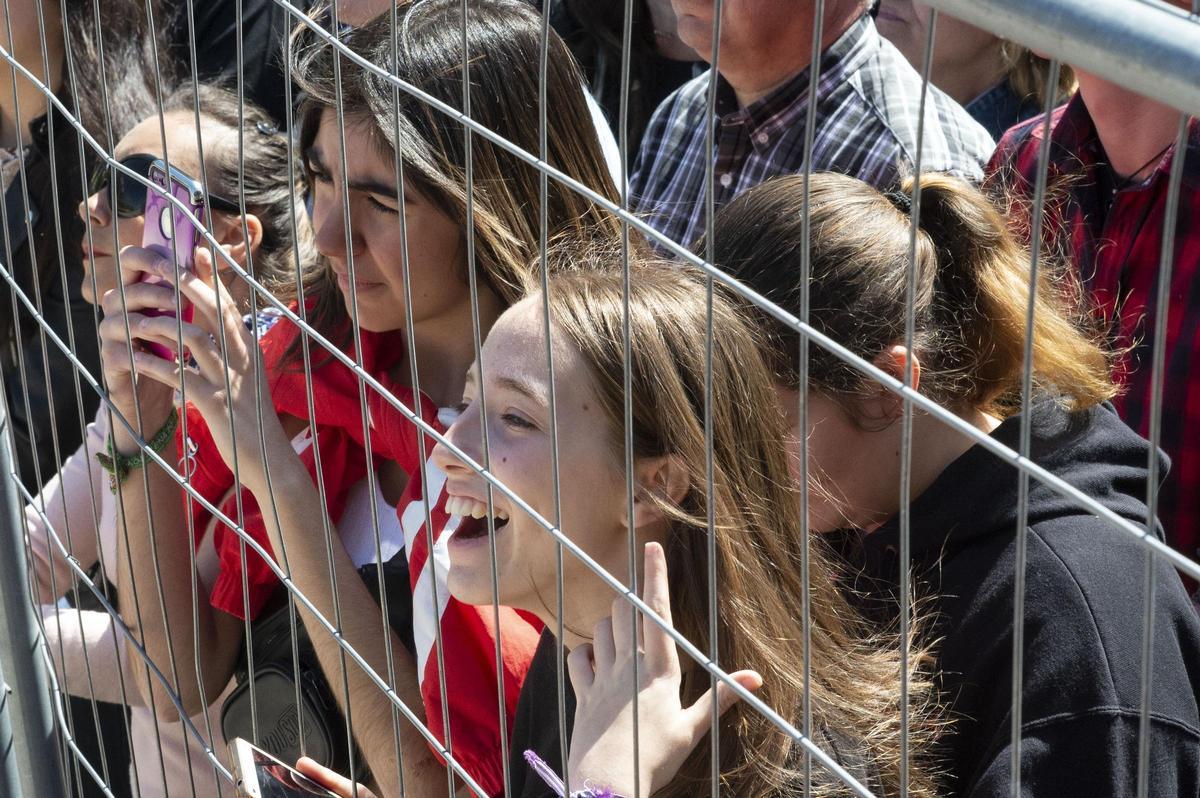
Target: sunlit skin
{"x":99,"y":260}
{"x":360,"y":12}
{"x":516,"y":384}
{"x":437,"y":270}
{"x":764,"y":43}
{"x":966,"y":60}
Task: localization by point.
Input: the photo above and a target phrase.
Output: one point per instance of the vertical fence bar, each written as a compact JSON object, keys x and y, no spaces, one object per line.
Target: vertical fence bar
{"x":627,"y":367}
{"x":10,"y":772}
{"x":710,"y":212}
{"x":1022,"y":530}
{"x":906,"y":431}
{"x":28,"y":693}
{"x":810,"y":124}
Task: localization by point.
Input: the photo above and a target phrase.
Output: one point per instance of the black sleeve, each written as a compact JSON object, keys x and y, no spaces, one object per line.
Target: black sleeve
{"x":535,"y":723}
{"x":52,"y":406}
{"x":1095,"y":754}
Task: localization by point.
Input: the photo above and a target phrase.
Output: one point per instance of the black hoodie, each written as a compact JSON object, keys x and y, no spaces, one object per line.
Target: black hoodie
{"x":1083,"y":616}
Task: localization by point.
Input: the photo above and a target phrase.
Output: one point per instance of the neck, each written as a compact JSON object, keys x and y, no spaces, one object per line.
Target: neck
{"x":794,"y":55}
{"x":1132,"y":129}
{"x":445,"y":348}
{"x":589,"y":600}
{"x":964,"y":85}
{"x":934,"y":447}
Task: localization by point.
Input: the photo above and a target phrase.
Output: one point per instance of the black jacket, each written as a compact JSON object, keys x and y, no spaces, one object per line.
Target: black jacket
{"x":41,"y":389}
{"x":1083,"y":616}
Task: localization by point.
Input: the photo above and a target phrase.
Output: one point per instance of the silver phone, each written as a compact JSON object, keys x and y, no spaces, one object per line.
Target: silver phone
{"x":260,"y":775}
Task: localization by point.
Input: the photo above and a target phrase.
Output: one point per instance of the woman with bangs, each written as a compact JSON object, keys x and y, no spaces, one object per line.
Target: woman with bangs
{"x":405,"y":279}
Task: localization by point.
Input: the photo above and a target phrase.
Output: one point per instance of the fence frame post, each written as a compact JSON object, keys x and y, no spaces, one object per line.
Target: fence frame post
{"x":31,"y":762}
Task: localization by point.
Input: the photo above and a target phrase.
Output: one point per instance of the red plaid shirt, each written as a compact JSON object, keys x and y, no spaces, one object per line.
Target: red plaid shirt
{"x":1116,"y":255}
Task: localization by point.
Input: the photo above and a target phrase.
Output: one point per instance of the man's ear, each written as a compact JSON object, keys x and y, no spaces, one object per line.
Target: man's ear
{"x":235,"y":243}
{"x":894,"y":360}
{"x":657,"y":480}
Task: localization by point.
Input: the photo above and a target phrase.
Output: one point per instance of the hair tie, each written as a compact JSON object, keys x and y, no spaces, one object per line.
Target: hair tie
{"x":267,"y":128}
{"x":901,"y":200}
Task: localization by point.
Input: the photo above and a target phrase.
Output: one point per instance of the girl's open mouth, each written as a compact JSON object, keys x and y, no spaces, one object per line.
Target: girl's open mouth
{"x":474,"y":519}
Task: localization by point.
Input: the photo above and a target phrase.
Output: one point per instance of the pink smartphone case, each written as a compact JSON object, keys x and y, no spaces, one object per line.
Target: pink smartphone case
{"x":178,"y":243}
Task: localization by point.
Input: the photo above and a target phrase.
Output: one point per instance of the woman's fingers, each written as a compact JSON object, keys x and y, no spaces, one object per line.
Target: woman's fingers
{"x":136,"y":262}
{"x":213,"y":307}
{"x":169,"y":373}
{"x":210,"y":298}
{"x":195,"y":339}
{"x":331,"y":780}
{"x":138,"y":296}
{"x":661,"y":655}
{"x":699,"y":714}
{"x":603,"y":652}
{"x":581,"y":669}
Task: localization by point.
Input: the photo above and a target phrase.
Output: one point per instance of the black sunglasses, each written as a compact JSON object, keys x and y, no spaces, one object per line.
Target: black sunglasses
{"x":131,"y":195}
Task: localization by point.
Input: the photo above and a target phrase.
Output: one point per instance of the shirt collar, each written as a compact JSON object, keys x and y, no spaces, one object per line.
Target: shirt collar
{"x":781,"y":107}
{"x":1075,"y":137}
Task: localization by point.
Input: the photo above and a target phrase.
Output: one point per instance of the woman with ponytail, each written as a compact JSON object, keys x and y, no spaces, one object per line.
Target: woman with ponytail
{"x":1085,"y":593}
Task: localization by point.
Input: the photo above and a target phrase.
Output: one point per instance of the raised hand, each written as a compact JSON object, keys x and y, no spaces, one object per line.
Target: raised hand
{"x":128,"y":394}
{"x":601,"y":754}
{"x":218,"y":343}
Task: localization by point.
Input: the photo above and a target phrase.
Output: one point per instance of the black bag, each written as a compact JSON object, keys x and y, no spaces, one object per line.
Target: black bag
{"x":280,"y":720}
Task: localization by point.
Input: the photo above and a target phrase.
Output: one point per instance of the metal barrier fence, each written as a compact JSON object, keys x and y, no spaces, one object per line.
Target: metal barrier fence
{"x":1146,"y":46}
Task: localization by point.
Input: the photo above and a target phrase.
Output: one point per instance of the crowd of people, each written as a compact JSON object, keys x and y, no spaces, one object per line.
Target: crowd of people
{"x":373,"y":272}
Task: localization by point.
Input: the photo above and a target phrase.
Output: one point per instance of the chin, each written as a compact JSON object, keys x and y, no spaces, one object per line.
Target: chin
{"x":696,"y":34}
{"x":471,"y":582}
{"x":372,"y":319}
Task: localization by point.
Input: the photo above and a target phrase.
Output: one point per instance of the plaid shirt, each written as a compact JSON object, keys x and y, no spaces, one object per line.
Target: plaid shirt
{"x":1115,"y":246}
{"x":867,"y":118}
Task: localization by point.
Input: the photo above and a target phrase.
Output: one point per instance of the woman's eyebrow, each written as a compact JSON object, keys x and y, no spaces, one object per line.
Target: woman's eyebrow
{"x":376,"y":187}
{"x":379,"y":188}
{"x":522,"y":387}
{"x":313,"y":156}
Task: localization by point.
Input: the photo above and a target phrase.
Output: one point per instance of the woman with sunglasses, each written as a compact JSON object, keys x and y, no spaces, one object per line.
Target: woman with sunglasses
{"x":76,"y":507}
{"x":435,"y":256}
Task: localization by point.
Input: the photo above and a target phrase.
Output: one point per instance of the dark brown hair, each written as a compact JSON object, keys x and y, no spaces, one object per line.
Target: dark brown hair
{"x":262,"y":181}
{"x":972,"y":290}
{"x":503,"y":48}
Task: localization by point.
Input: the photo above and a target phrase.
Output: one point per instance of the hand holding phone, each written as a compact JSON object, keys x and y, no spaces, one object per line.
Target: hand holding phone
{"x":169,"y":233}
{"x":260,"y":775}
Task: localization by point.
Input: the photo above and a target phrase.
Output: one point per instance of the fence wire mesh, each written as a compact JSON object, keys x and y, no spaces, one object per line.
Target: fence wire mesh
{"x":168,"y":657}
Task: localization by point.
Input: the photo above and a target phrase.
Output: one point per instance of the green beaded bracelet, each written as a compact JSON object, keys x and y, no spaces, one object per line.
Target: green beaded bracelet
{"x":120,"y":466}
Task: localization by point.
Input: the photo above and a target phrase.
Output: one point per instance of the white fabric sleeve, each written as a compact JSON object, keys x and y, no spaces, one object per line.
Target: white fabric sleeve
{"x":67,"y":502}
{"x":71,"y":632}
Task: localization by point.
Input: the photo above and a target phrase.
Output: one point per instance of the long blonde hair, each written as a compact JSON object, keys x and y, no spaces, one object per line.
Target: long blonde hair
{"x":855,"y":685}
{"x":1028,"y":73}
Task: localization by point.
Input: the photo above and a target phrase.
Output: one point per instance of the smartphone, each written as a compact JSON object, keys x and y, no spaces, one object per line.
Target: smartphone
{"x":170,"y":233}
{"x":260,"y":775}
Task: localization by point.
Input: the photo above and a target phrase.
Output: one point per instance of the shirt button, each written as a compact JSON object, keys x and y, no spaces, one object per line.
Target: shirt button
{"x":726,"y":179}
{"x":762,"y":138}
